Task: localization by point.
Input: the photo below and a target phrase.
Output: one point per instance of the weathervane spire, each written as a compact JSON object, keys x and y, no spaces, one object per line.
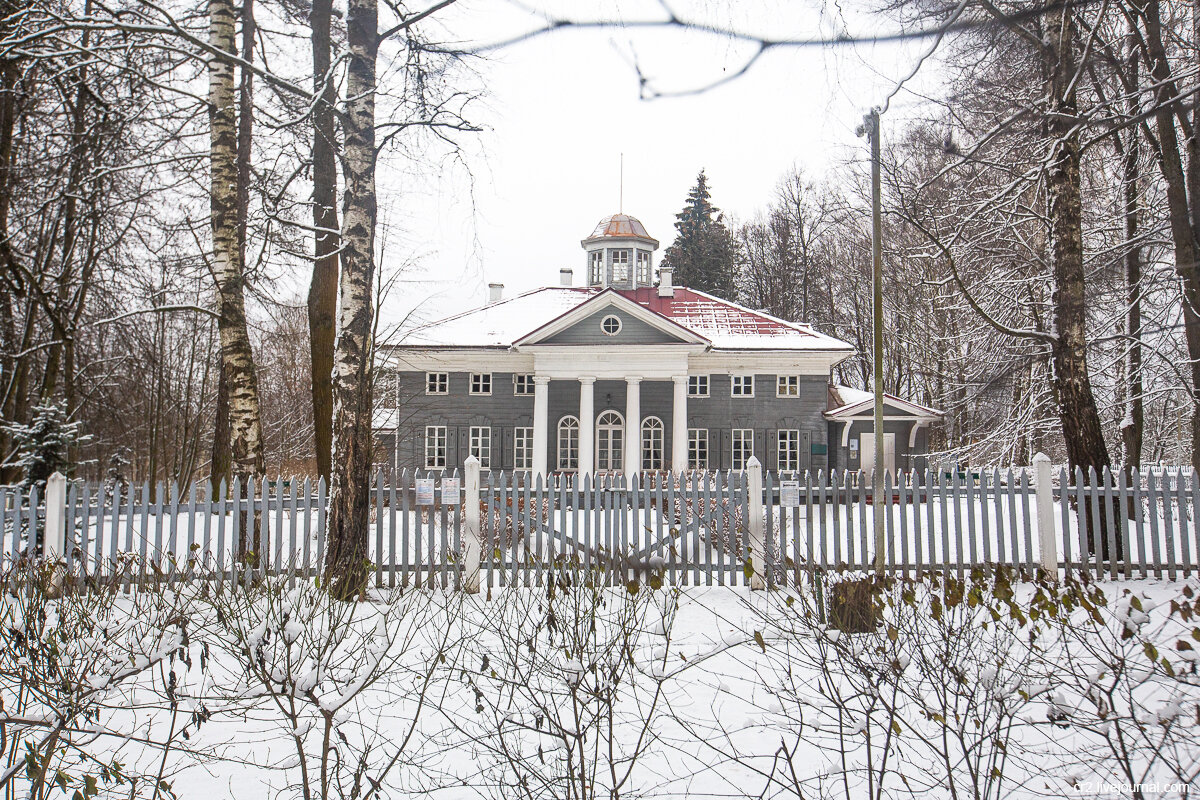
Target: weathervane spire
{"x":621,"y":187}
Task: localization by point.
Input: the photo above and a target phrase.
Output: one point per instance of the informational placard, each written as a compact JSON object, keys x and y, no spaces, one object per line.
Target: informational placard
{"x":450,"y":487}
{"x":789,"y":494}
{"x":424,"y":487}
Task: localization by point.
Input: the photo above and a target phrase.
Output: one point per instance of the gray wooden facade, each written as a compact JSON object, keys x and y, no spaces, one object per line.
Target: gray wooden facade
{"x":410,"y":410}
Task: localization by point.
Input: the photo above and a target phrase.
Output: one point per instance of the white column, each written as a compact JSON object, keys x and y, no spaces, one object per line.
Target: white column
{"x":679,"y":442}
{"x":541,"y":423}
{"x":587,"y":426}
{"x":633,"y":427}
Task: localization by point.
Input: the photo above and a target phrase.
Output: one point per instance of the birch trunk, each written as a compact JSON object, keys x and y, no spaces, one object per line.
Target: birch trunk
{"x":322,"y":291}
{"x":245,"y":425}
{"x":346,"y":561}
{"x":1077,"y":404}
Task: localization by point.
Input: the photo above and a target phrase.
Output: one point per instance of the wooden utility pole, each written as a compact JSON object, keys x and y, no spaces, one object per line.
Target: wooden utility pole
{"x":871,"y":129}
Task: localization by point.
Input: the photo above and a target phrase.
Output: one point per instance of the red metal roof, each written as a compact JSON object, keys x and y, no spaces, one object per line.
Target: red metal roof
{"x":701,"y":311}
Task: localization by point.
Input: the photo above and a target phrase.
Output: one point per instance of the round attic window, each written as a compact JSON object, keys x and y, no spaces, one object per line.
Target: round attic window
{"x":611,"y":325}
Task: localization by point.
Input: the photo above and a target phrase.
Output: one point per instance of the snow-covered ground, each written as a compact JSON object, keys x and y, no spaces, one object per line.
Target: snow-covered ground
{"x":1022,"y":691}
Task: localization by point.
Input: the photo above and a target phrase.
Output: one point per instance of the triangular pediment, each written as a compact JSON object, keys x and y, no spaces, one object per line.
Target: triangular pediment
{"x":635,"y":324}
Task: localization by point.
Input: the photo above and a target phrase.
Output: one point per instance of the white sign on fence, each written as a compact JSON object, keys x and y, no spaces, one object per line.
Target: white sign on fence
{"x":789,"y":494}
{"x":450,"y":487}
{"x":424,"y":491}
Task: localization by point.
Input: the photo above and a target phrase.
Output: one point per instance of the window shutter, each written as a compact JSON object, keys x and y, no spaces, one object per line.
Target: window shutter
{"x":726,"y":454}
{"x":497,"y":446}
{"x":506,"y":452}
{"x":805,"y":450}
{"x":771,"y":449}
{"x":451,"y":445}
{"x":464,"y":447}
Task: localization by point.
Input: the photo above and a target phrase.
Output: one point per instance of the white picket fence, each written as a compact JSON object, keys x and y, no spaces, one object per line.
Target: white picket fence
{"x":711,"y":528}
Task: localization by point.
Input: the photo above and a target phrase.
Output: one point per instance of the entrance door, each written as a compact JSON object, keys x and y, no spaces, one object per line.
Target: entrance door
{"x":866,"y":449}
{"x":610,"y":440}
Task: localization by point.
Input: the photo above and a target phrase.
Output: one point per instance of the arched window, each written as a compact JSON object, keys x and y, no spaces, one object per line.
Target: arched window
{"x":610,"y":436}
{"x":652,"y":443}
{"x":568,"y":444}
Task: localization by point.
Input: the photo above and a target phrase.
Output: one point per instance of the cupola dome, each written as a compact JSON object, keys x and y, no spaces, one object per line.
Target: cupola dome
{"x":619,"y":253}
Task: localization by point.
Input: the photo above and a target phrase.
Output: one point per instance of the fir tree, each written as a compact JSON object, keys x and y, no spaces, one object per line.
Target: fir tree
{"x":43,"y":446}
{"x":702,"y":255}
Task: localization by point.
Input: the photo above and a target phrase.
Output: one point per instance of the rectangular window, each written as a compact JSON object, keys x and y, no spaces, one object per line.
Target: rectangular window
{"x":435,"y":446}
{"x":481,"y":445}
{"x":743,"y":447}
{"x":697,"y":386}
{"x":523,"y":448}
{"x":741,"y":386}
{"x":787,"y":386}
{"x":522,"y":385}
{"x":643,"y":267}
{"x":620,"y":266}
{"x":789,"y":451}
{"x":481,"y":383}
{"x":437,"y":383}
{"x":697,"y":448}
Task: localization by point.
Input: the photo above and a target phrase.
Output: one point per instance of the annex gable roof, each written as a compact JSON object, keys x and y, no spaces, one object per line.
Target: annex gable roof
{"x":846,"y":402}
{"x":612,"y":299}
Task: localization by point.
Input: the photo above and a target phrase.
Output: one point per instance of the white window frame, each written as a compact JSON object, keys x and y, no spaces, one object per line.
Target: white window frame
{"x":742,"y":381}
{"x":653,"y":434}
{"x":695,"y":381}
{"x":604,"y":325}
{"x":738,"y":450}
{"x":523,"y":384}
{"x":441,"y":379}
{"x":697,"y":441}
{"x":523,"y":449}
{"x":596,"y":267}
{"x":478,"y":379}
{"x":481,"y":445}
{"x":643,"y":272}
{"x":570,"y":426}
{"x":620,"y":260}
{"x":436,"y":445}
{"x":787,"y":385}
{"x":787,"y":449}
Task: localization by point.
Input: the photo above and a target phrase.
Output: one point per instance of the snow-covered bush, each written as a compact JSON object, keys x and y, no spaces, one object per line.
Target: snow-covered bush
{"x":345,"y":687}
{"x":932,"y":703}
{"x":1125,"y":694}
{"x":563,"y":688}
{"x":96,"y":689}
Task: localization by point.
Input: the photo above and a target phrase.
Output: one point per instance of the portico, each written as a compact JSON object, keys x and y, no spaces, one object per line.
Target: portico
{"x":632,"y":449}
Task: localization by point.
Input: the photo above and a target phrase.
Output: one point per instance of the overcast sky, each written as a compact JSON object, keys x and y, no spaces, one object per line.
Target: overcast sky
{"x":559,"y":110}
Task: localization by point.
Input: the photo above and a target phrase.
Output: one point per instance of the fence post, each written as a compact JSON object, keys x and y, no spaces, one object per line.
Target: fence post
{"x":55,"y":534}
{"x":1047,"y":540}
{"x":754,"y":513}
{"x":471,"y":535}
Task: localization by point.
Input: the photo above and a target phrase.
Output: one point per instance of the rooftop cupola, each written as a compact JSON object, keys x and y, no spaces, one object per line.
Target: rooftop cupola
{"x":620,"y":253}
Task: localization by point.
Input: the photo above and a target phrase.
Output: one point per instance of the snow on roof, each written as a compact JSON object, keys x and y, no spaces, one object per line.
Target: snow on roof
{"x":734,"y":327}
{"x":499,"y":324}
{"x":846,"y":398}
{"x":727,"y":325}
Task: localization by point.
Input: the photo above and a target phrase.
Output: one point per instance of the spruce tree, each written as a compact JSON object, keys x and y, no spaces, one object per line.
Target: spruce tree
{"x":702,"y":255}
{"x":43,"y":446}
